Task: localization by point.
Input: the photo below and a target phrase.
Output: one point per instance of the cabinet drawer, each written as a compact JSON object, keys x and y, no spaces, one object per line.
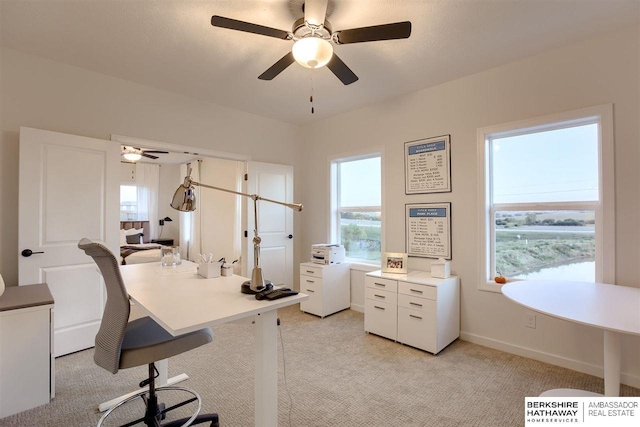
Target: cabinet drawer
{"x":380,"y":283}
{"x":310,"y":270}
{"x":380,"y":295}
{"x":310,"y":281}
{"x":381,"y":318}
{"x":417,"y":303}
{"x":314,"y":304}
{"x":417,"y":329}
{"x":416,"y":290}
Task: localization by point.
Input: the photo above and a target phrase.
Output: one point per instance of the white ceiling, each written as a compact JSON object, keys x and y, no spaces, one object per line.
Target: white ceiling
{"x":171,"y":45}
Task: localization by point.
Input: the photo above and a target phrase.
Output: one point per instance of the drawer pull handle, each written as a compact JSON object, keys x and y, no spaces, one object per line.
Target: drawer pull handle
{"x":415,"y":290}
{"x":310,"y":271}
{"x":415,"y":317}
{"x":310,"y":290}
{"x":379,"y":296}
{"x":380,"y":284}
{"x":379,"y":308}
{"x":415,"y":303}
{"x":310,"y":281}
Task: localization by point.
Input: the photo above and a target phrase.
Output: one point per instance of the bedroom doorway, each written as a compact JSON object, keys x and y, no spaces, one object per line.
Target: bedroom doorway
{"x":200,"y":231}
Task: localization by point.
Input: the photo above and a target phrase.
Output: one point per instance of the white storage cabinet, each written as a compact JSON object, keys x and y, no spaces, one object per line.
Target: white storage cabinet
{"x":414,"y":309}
{"x":27,"y":374}
{"x":328,"y":287}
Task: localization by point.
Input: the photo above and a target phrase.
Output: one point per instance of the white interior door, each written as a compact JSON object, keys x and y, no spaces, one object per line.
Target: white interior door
{"x":275,"y":222}
{"x":69,"y":189}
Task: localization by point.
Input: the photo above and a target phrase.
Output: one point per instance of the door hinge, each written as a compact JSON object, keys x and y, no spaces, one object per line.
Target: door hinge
{"x":246,"y":234}
{"x":246,"y":177}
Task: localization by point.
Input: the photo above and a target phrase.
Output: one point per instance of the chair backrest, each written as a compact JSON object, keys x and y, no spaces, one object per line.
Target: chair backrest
{"x":116,"y":312}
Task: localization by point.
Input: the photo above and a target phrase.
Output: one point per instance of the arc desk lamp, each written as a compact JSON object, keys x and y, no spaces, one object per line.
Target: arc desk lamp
{"x":184,"y":200}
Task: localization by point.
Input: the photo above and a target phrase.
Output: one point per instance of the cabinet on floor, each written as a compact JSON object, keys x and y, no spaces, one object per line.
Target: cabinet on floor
{"x":414,"y":309}
{"x":328,"y":287}
{"x":27,"y":374}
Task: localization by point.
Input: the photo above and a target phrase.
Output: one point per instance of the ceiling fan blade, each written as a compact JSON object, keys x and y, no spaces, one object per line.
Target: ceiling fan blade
{"x":341,"y":70}
{"x":247,"y":27}
{"x":144,"y":154}
{"x":156,"y":151}
{"x":398,"y":30}
{"x":278,"y":67}
{"x":315,"y":11}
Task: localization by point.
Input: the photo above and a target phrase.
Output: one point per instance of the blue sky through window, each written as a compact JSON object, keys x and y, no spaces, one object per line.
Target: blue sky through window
{"x":552,"y":166}
{"x":360,"y":183}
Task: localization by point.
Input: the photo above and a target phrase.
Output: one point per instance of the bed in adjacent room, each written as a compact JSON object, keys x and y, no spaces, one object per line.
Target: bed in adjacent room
{"x":134,"y":243}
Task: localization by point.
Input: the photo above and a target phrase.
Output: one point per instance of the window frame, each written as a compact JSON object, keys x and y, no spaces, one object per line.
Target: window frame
{"x":604,"y":207}
{"x":334,"y":197}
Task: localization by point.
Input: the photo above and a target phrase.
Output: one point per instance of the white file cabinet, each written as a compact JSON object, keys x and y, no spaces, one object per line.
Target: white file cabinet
{"x":414,"y":309}
{"x":27,"y":374}
{"x":328,"y":287}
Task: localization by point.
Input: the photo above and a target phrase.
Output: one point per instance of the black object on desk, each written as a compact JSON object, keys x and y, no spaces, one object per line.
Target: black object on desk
{"x":272,"y":294}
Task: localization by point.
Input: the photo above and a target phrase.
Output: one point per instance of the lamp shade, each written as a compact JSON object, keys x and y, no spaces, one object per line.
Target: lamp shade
{"x":184,"y":199}
{"x":312,"y":52}
{"x":132,"y":157}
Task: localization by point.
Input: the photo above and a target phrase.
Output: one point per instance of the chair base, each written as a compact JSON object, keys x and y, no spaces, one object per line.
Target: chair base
{"x":155,"y":419}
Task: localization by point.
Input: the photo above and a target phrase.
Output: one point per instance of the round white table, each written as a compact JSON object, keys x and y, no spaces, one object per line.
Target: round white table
{"x":612,"y":308}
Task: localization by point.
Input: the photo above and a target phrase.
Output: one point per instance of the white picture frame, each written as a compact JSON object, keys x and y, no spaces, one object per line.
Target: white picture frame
{"x":394,"y":262}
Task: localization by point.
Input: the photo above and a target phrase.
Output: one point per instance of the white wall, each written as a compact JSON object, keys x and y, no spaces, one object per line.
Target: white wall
{"x":593,"y":72}
{"x":44,"y":94}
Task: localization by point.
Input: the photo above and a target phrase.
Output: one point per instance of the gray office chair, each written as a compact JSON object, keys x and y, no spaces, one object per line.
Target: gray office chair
{"x":121,"y":344}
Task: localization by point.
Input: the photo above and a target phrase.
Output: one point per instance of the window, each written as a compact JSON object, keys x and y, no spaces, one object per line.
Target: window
{"x":128,"y":203}
{"x":547,"y":193}
{"x":356,"y":206}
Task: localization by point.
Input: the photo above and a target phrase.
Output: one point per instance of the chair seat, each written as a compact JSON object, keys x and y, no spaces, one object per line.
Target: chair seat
{"x":146,"y":342}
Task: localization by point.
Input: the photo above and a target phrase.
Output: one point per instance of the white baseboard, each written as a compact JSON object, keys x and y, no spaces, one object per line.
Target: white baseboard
{"x":357,"y":307}
{"x":576,"y":365}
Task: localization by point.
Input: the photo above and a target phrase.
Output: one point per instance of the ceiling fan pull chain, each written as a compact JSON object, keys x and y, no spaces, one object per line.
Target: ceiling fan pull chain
{"x":311,"y":97}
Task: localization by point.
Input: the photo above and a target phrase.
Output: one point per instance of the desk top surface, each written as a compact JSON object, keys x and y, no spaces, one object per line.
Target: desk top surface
{"x":181,"y":301}
{"x":16,"y":297}
{"x":610,"y":307}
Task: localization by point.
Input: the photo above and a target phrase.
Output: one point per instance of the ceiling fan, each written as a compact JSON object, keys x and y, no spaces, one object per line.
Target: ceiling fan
{"x":313,"y":36}
{"x":134,"y":154}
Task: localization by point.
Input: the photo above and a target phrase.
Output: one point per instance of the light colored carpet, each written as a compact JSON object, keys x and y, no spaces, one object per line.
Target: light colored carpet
{"x":337,"y":375}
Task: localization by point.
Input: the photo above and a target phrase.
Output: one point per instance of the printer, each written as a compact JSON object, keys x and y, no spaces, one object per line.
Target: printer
{"x":324,"y":253}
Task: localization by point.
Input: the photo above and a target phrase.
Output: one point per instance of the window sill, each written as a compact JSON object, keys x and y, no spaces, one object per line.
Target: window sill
{"x":360,"y":266}
{"x":490,"y":286}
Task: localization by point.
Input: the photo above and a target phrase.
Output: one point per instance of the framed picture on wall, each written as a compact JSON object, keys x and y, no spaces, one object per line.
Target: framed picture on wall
{"x":394,"y":262}
{"x":427,"y":165}
{"x":428,"y":230}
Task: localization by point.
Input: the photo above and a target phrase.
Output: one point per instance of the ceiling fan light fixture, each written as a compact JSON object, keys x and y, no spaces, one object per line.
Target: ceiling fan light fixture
{"x":132,"y":155}
{"x":312,"y":52}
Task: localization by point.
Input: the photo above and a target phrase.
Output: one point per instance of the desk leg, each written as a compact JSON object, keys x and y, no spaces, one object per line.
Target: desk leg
{"x":266,"y":364}
{"x":612,"y":363}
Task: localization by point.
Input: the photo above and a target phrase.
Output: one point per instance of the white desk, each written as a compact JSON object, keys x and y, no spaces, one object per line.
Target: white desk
{"x":615,"y":309}
{"x":181,"y":301}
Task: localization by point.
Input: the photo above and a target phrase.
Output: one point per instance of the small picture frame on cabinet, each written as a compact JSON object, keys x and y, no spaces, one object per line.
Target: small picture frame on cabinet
{"x":394,"y":262}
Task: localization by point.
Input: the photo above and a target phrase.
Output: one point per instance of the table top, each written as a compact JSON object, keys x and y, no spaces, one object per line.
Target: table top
{"x":413,"y":276}
{"x":181,"y":301}
{"x":610,"y":307}
{"x":17,"y":297}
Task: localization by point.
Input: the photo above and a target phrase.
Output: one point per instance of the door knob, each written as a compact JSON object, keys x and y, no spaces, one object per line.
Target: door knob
{"x":290,"y":236}
{"x":29,"y":252}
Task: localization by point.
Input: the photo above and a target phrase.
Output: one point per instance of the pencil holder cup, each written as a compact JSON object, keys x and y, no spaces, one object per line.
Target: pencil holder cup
{"x":227,"y":271}
{"x":209,"y":270}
